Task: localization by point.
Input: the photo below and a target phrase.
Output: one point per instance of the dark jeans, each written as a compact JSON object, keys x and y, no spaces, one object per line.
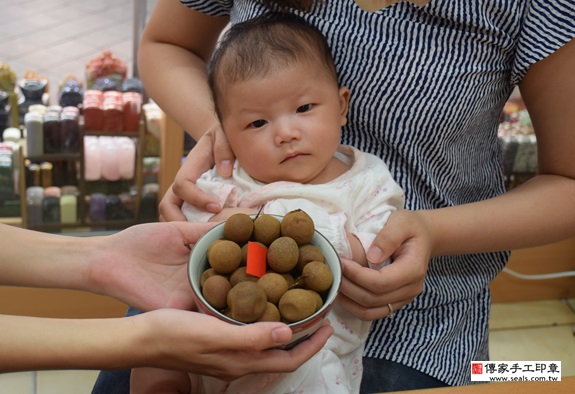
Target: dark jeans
{"x":380,"y":376}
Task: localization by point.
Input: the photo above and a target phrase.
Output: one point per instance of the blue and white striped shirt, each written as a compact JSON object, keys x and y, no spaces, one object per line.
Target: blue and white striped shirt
{"x":427,"y":88}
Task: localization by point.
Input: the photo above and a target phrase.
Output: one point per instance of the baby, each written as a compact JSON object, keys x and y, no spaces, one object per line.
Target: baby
{"x":277,"y":96}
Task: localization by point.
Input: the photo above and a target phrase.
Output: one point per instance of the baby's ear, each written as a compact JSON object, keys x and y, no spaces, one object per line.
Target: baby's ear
{"x":344,"y":95}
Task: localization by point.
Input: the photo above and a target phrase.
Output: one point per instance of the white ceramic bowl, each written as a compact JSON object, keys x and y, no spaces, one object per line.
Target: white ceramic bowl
{"x":302,"y":329}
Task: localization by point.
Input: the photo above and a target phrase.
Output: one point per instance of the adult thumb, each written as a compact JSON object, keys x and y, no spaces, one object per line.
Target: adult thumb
{"x":263,"y":335}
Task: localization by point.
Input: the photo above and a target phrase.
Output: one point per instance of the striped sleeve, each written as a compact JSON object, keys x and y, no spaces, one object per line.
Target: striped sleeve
{"x":212,"y":8}
{"x":547,"y":26}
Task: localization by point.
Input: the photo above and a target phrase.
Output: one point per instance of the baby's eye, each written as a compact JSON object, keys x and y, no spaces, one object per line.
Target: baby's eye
{"x":304,"y":108}
{"x":258,"y":123}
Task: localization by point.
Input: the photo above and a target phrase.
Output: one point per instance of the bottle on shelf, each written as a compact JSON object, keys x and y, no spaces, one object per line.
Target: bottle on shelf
{"x":92,"y":158}
{"x":51,"y":205}
{"x":34,"y":125}
{"x":93,"y":110}
{"x":70,"y":126}
{"x":46,"y":174}
{"x":6,"y":172}
{"x":97,"y":211}
{"x":126,"y":157}
{"x":52,"y":132}
{"x":12,"y":137}
{"x":34,"y":204}
{"x":69,"y":204}
{"x":110,"y":159}
{"x":132,"y":110}
{"x":33,"y":174}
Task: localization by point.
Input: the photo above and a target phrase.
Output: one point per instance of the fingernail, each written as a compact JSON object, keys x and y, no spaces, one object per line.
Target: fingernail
{"x":213,"y":207}
{"x":281,"y":335}
{"x":226,"y":167}
{"x":226,"y":163}
{"x":378,"y":266}
{"x":374,"y":255}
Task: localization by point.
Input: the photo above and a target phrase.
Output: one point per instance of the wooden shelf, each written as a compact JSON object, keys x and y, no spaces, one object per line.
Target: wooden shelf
{"x":105,"y":133}
{"x":83,"y":184}
{"x":53,"y":157}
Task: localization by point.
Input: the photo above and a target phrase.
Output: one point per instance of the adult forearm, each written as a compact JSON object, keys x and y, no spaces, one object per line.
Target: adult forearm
{"x":536,"y":213}
{"x":32,"y":258}
{"x":29,"y":343}
{"x":177,"y":81}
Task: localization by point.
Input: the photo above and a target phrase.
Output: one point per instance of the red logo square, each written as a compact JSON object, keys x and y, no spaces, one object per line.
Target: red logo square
{"x":476,"y":368}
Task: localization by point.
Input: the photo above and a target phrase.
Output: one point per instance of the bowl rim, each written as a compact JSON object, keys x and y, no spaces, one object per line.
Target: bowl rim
{"x":332,"y":292}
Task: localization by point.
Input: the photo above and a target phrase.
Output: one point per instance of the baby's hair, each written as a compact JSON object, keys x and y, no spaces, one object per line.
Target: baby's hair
{"x":264,"y":45}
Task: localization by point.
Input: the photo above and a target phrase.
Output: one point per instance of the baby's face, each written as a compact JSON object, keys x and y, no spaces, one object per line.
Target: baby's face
{"x":286,"y":126}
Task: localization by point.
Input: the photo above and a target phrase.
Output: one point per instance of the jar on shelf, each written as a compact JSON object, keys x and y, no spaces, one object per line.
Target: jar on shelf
{"x":113,"y":115}
{"x":33,"y":174}
{"x":132,"y":109}
{"x":70,"y":130}
{"x":92,"y":159}
{"x":126,"y":157}
{"x":6,"y":172}
{"x":97,"y":211}
{"x":38,"y":108}
{"x":149,"y":203}
{"x":12,"y":137}
{"x":115,"y":210}
{"x":93,"y":110}
{"x":52,"y":132}
{"x":34,"y":124}
{"x":46,"y":174}
{"x":34,"y":203}
{"x":51,"y":205}
{"x":110,"y":160}
{"x":69,"y":204}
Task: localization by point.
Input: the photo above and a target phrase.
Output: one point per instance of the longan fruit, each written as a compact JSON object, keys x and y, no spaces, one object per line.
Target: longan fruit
{"x":318,"y":300}
{"x":271,"y":313}
{"x":247,"y":302}
{"x":283,"y":254}
{"x":215,"y":291}
{"x":239,"y":228}
{"x":206,"y":274}
{"x":240,"y":275}
{"x":307,"y":253}
{"x":317,"y":276}
{"x":274,"y":285}
{"x":296,"y":305}
{"x":298,"y":225}
{"x":225,"y":256}
{"x":266,"y":229}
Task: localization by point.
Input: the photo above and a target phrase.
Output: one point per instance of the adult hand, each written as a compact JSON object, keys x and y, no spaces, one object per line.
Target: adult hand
{"x":366,"y":292}
{"x":203,"y":344}
{"x":211,"y":148}
{"x":145,"y":265}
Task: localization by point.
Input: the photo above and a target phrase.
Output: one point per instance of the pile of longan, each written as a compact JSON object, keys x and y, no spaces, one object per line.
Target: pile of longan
{"x":296,"y":275}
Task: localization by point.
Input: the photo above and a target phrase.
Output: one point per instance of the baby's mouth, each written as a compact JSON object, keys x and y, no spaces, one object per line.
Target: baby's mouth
{"x":292,"y":156}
